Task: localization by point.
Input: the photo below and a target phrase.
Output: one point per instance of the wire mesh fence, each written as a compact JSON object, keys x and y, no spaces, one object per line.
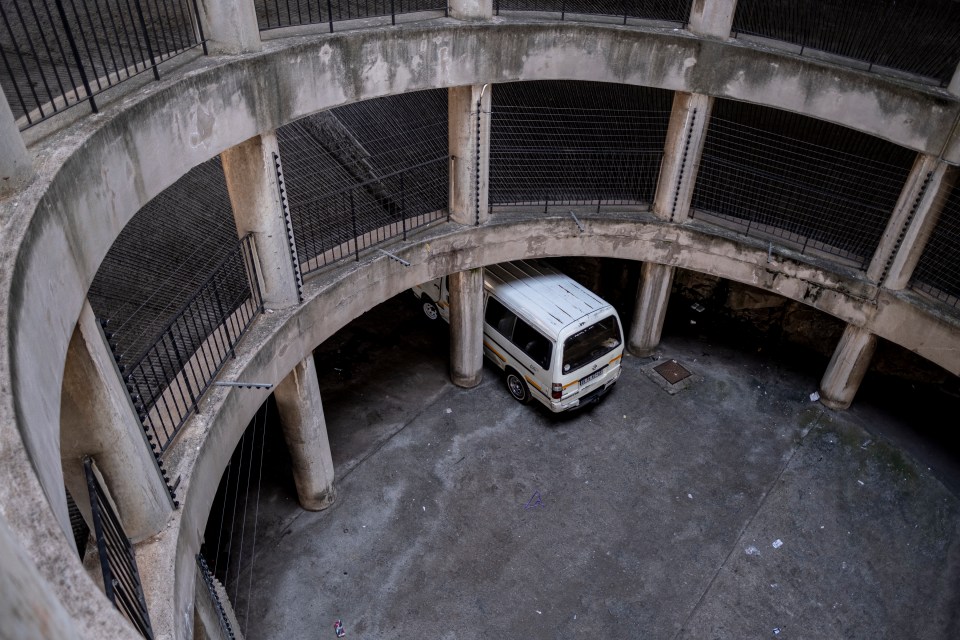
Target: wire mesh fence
{"x":815,"y":187}
{"x":920,"y":37}
{"x":938,"y":272}
{"x":361,"y":174}
{"x":276,"y":14}
{"x":55,"y":54}
{"x":659,"y":10}
{"x":562,"y":143}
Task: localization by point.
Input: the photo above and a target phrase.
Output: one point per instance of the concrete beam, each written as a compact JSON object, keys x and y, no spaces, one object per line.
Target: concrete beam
{"x":846,"y":369}
{"x":653,"y":294}
{"x":917,"y":227}
{"x":230,"y":26}
{"x":251,"y":176}
{"x":305,"y":430}
{"x":97,"y":419}
{"x":470,"y":151}
{"x":466,"y":327}
{"x":16,"y":164}
{"x":712,"y":18}
{"x":686,"y":136}
{"x":470,"y":9}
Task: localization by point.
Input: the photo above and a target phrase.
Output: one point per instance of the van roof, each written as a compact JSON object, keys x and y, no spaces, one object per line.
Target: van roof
{"x":543,"y":295}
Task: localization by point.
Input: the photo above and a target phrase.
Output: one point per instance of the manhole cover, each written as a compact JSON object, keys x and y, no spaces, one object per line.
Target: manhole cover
{"x":672,"y":371}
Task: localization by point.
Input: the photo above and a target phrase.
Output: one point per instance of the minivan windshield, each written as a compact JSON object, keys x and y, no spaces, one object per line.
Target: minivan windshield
{"x":591,"y":343}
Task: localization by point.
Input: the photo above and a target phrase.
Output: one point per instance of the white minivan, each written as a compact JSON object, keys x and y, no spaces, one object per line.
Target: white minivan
{"x":555,"y":339}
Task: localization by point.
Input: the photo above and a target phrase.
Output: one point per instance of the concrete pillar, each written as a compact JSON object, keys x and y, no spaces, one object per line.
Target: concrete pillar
{"x":97,"y":419}
{"x":712,"y":18}
{"x":305,"y":430}
{"x":686,"y":135}
{"x":849,"y":364}
{"x":653,"y":293}
{"x":470,"y":150}
{"x":230,"y":26}
{"x":466,"y":327}
{"x":251,"y":176}
{"x":16,"y":165}
{"x":470,"y":9}
{"x":912,"y":222}
{"x":954,"y":87}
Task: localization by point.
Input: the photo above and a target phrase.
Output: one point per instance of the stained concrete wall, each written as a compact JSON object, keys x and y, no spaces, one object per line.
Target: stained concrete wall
{"x":93,"y":177}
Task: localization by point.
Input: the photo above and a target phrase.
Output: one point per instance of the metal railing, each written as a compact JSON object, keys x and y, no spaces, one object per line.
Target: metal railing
{"x":167,"y":381}
{"x":920,"y":37}
{"x":276,"y":14}
{"x":225,"y":628}
{"x":121,"y":579}
{"x":812,"y":186}
{"x":660,"y":10}
{"x":55,"y":54}
{"x":342,"y":223}
{"x":938,"y":272}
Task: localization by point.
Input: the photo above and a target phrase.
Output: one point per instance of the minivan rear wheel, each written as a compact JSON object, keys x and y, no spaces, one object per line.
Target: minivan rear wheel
{"x":518,"y":387}
{"x":430,"y":309}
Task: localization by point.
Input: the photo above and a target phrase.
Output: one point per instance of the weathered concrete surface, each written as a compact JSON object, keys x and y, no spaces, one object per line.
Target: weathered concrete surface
{"x":229,"y":26}
{"x":846,"y":369}
{"x":686,"y":136}
{"x":94,"y":176}
{"x":712,"y":17}
{"x":16,"y":165}
{"x":470,"y":152}
{"x":653,"y":293}
{"x":466,"y":327}
{"x":659,"y":512}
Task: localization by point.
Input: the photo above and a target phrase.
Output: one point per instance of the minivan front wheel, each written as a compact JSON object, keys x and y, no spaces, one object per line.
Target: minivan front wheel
{"x":430,"y":309}
{"x":518,"y":387}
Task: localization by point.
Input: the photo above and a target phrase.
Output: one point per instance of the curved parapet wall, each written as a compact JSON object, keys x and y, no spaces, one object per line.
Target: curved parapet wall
{"x":93,"y":177}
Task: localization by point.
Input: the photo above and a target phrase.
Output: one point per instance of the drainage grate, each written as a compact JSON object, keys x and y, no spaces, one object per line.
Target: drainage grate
{"x":672,"y":371}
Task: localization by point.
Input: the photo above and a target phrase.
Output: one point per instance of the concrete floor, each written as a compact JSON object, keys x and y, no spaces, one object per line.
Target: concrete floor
{"x":735,"y":508}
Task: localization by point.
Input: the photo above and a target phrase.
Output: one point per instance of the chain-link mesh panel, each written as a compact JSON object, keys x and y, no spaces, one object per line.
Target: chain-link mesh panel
{"x":938,"y":271}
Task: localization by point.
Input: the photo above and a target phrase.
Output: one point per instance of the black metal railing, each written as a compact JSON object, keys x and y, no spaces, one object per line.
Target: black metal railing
{"x":660,"y":10}
{"x":340,"y":224}
{"x":920,"y":37}
{"x":55,"y":54}
{"x":938,"y":272}
{"x":276,"y":14}
{"x":121,"y":579}
{"x":167,"y":381}
{"x":224,"y":626}
{"x":812,"y":186}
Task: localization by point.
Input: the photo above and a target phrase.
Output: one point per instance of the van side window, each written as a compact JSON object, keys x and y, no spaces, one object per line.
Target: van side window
{"x":532,"y":343}
{"x":500,"y":318}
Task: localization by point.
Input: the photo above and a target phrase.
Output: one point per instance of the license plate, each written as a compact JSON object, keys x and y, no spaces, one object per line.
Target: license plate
{"x":593,"y":376}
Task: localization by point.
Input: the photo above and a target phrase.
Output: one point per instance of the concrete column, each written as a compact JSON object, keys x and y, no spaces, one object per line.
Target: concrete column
{"x":470,"y":9}
{"x":466,"y":327}
{"x":954,"y":87}
{"x":255,"y":197}
{"x":305,"y":429}
{"x":849,"y":364}
{"x":686,"y":135}
{"x":912,"y":222}
{"x":470,"y":150}
{"x":16,"y":165}
{"x":230,"y":26}
{"x":712,"y":18}
{"x":653,"y":293}
{"x":97,"y":419}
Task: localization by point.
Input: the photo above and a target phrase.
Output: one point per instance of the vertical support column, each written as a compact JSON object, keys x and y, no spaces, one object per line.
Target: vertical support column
{"x":712,"y":18}
{"x":469,"y":142}
{"x":251,"y":175}
{"x":686,"y":135}
{"x":653,"y":293}
{"x":849,"y":364}
{"x":954,"y":87}
{"x":471,"y":9}
{"x":912,"y":222}
{"x":16,"y":165}
{"x":97,"y":419}
{"x":466,"y":327}
{"x":230,"y":26}
{"x":305,"y":430}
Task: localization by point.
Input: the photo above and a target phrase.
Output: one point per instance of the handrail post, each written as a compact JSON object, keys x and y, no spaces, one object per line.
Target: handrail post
{"x":403,"y":207}
{"x":146,"y":38}
{"x":356,"y":238}
{"x":203,"y":39}
{"x":393,"y":13}
{"x":76,"y":54}
{"x":330,"y":14}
